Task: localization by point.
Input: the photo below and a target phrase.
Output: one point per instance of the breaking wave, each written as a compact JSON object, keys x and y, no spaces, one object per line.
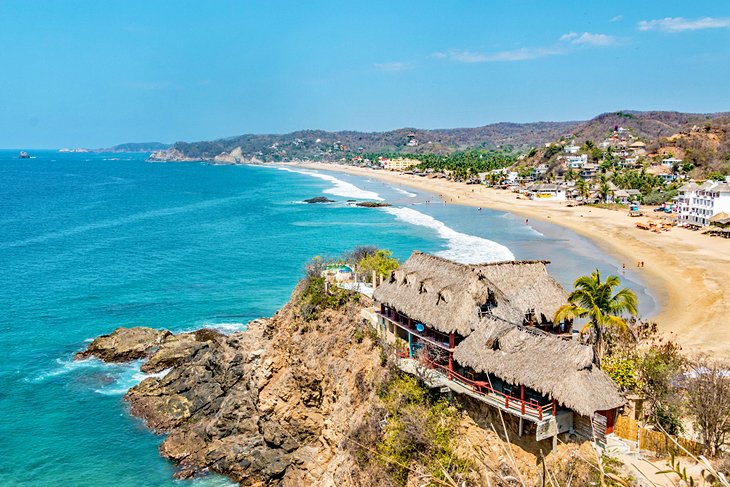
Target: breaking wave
{"x":460,"y":247}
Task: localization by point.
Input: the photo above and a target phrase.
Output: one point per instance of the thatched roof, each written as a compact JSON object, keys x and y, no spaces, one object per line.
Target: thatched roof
{"x":561,"y":369}
{"x":447,"y":295}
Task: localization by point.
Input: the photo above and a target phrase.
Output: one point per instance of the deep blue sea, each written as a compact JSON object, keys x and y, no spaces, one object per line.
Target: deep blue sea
{"x":90,"y":242}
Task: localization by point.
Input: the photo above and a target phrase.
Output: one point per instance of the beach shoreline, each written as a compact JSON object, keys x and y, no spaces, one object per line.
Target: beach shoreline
{"x":686,"y":272}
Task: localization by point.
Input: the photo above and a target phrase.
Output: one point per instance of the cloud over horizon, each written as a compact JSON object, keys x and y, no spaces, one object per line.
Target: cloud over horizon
{"x":563,"y":46}
{"x":393,"y":66}
{"x":681,"y":24}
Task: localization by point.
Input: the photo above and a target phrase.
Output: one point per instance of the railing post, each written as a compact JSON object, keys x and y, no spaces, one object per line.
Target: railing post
{"x":523,"y":408}
{"x":539,"y":412}
{"x":506,"y":401}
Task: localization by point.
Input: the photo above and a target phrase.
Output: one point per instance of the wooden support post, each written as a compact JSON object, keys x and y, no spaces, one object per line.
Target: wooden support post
{"x":522,"y":427}
{"x":555,"y":407}
{"x":451,"y":364}
{"x":410,"y":346}
{"x":452,"y":340}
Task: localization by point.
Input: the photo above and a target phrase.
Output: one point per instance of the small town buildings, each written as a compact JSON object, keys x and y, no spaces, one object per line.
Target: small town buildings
{"x":697,"y":204}
{"x":486,"y":331}
{"x":399,"y":164}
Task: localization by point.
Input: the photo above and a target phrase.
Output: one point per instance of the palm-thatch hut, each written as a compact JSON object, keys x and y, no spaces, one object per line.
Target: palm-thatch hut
{"x":488,"y":330}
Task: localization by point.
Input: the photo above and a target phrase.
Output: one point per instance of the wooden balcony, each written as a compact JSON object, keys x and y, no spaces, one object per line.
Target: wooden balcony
{"x":426,"y":336}
{"x":439,"y":375}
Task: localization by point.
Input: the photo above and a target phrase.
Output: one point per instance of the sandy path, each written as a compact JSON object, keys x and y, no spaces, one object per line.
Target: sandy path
{"x":689,"y":273}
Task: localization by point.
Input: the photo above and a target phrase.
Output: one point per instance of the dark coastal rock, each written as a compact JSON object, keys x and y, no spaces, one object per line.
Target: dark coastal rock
{"x":268,"y":406}
{"x":319,"y":199}
{"x":124,"y":344}
{"x":372,"y":204}
{"x":174,"y":348}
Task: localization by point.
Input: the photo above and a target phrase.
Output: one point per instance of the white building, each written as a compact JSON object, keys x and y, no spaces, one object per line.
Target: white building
{"x":572,"y":149}
{"x":698,"y":203}
{"x":671,"y":161}
{"x":546,"y":192}
{"x":576,"y":162}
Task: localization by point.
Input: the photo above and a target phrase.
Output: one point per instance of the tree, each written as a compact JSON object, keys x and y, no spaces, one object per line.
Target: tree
{"x":708,"y":402}
{"x":381,"y":262}
{"x":594,"y":299}
{"x":582,"y":186}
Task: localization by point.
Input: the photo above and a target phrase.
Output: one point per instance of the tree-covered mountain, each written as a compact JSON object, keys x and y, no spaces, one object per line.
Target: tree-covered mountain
{"x":518,"y":137}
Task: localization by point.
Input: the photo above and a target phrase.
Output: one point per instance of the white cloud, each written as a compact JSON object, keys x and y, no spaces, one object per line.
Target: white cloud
{"x":616,"y":18}
{"x":593,"y":39}
{"x":393,"y":66}
{"x":565,"y":45}
{"x":524,"y":54}
{"x":568,"y":36}
{"x":680,"y":24}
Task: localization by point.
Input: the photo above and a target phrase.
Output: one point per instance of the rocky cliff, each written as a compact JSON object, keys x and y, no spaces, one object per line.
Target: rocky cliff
{"x":303,"y":398}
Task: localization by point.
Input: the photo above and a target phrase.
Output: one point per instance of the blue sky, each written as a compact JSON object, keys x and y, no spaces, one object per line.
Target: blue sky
{"x":95,"y":73}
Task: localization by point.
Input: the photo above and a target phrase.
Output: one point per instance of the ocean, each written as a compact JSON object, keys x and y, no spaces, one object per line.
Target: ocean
{"x":90,"y":242}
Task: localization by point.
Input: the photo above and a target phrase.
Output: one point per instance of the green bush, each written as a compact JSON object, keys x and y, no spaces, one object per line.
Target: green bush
{"x":420,"y":428}
{"x":315,"y":298}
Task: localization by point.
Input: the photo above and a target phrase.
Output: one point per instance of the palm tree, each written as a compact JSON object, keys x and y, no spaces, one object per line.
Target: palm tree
{"x":594,"y":299}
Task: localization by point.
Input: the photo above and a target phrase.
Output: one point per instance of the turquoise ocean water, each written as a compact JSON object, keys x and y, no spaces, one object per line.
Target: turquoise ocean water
{"x":89,"y":242}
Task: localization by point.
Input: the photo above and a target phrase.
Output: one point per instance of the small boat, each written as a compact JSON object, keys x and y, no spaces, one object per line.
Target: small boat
{"x":23,"y":155}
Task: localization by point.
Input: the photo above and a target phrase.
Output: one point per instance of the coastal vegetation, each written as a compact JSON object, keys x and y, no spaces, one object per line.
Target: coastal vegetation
{"x":460,"y":165}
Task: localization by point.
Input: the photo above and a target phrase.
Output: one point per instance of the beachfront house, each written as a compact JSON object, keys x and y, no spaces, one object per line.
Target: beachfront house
{"x":542,"y":192}
{"x":697,"y":204}
{"x":486,"y":331}
{"x":399,"y":163}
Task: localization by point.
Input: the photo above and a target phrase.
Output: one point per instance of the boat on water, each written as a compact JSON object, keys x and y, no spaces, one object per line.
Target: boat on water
{"x":23,"y":155}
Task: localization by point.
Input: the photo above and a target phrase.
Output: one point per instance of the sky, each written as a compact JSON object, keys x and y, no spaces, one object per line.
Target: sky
{"x":90,"y":73}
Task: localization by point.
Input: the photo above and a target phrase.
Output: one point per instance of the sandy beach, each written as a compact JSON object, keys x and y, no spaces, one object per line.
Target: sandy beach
{"x":689,"y":273}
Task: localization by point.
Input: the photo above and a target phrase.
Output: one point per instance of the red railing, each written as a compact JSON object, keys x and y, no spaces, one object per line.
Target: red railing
{"x":481,"y":388}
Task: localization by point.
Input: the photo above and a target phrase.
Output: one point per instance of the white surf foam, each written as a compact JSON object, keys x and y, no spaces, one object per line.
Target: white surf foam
{"x":407,"y":193}
{"x":125,"y":379}
{"x":121,"y":376}
{"x":467,"y":249}
{"x":225,"y":328}
{"x":341,"y":188}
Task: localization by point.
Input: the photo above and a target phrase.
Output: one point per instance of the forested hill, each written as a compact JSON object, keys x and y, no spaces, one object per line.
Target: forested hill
{"x":323,"y":145}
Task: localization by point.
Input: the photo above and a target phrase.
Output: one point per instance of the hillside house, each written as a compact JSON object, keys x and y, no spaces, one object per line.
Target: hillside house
{"x":486,"y":331}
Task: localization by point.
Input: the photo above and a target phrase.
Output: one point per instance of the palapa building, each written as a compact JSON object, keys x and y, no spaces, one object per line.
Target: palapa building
{"x":487,"y":331}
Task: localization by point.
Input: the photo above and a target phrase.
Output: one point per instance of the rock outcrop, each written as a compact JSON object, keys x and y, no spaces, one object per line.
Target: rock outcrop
{"x":270,"y":405}
{"x":124,"y":344}
{"x":171,"y":155}
{"x":319,"y":199}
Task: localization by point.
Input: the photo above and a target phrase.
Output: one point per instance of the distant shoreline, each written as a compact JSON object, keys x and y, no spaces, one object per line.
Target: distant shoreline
{"x":686,"y":272}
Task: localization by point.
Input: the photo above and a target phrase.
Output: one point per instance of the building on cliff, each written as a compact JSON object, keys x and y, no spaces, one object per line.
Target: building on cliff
{"x":487,"y":331}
